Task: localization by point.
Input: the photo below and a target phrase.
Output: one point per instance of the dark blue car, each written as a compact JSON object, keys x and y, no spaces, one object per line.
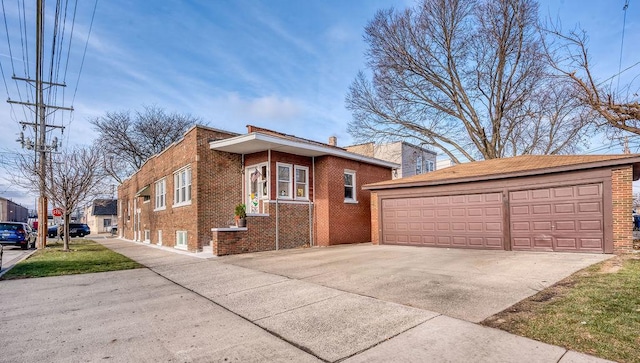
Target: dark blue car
{"x":17,"y":234}
{"x":75,"y":230}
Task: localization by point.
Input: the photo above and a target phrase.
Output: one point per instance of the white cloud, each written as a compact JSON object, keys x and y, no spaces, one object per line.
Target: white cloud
{"x":269,"y":108}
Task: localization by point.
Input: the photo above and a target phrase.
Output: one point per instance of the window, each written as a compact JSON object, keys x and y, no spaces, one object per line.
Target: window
{"x":302,"y":182}
{"x":147,"y":236}
{"x":350,"y":186}
{"x":257,"y":187}
{"x":146,"y":198}
{"x":430,"y":166}
{"x":182,"y":187}
{"x":181,"y":239}
{"x":161,"y":193}
{"x":419,"y":164}
{"x":106,"y":222}
{"x":284,"y":180}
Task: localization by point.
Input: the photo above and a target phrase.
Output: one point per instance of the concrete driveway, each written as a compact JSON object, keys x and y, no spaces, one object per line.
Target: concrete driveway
{"x":188,"y":309}
{"x":465,"y":284}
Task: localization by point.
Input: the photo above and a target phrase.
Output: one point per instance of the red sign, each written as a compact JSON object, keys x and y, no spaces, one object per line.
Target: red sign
{"x":57,"y":212}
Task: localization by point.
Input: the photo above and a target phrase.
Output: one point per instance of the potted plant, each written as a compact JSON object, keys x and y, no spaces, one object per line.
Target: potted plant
{"x":241,"y":215}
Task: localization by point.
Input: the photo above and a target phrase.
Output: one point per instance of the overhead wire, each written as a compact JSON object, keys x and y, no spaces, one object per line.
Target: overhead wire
{"x":624,"y":23}
{"x":84,"y":54}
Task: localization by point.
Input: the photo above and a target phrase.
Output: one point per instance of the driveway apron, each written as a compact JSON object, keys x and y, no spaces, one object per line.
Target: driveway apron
{"x":334,"y":324}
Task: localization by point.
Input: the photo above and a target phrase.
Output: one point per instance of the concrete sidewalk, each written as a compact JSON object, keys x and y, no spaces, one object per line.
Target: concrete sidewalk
{"x":334,"y":325}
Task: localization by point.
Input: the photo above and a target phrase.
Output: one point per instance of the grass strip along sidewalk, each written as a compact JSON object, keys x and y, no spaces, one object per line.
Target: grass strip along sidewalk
{"x":85,"y":256}
{"x":594,"y":311}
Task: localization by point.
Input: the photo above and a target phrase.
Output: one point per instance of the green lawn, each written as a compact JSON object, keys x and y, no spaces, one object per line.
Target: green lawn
{"x":85,"y":256}
{"x":595,"y":311}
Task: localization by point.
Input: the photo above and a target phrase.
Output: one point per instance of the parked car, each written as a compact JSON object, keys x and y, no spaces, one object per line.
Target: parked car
{"x":75,"y":230}
{"x":17,"y":234}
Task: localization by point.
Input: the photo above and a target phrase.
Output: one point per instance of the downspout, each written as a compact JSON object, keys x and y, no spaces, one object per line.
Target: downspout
{"x":242,"y":180}
{"x":277,"y":236}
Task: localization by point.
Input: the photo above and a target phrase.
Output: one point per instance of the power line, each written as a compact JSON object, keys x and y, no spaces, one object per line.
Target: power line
{"x":624,"y":22}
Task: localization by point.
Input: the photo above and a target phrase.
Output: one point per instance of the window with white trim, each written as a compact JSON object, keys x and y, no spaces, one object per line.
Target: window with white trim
{"x":430,"y":166}
{"x":161,"y":194}
{"x":349,"y":186}
{"x":182,"y":187}
{"x":302,"y":182}
{"x":181,"y":239}
{"x":284,"y":180}
{"x":419,"y":164}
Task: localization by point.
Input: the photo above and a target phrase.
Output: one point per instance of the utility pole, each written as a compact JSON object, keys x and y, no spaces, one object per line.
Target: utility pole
{"x":40,"y":126}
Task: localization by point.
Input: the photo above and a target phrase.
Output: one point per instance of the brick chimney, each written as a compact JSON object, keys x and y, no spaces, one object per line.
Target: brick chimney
{"x":333,"y":141}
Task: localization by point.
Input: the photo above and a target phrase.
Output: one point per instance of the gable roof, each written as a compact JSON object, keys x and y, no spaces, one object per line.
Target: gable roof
{"x":105,"y":207}
{"x":524,"y":165}
{"x":259,"y":139}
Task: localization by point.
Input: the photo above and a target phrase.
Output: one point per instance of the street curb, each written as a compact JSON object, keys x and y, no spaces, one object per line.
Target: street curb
{"x":20,"y":260}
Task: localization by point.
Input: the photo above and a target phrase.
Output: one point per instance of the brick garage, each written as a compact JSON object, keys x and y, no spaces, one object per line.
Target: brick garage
{"x":568,"y":203}
{"x":301,"y":202}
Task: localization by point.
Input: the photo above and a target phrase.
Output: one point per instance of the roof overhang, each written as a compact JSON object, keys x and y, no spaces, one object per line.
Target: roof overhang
{"x":257,"y":142}
{"x":634,"y":161}
{"x":144,"y":192}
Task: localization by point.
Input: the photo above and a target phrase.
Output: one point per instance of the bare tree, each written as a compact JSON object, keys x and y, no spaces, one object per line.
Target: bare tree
{"x":127,"y":140}
{"x":569,"y":55}
{"x":75,"y":178}
{"x":468,"y":77}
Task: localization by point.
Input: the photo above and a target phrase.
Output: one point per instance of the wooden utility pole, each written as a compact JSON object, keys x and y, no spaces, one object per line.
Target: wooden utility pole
{"x":40,"y":126}
{"x":43,"y":214}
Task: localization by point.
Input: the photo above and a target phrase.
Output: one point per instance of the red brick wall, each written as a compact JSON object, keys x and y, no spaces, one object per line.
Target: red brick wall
{"x":375,"y":220}
{"x":622,"y":198}
{"x":291,"y":219}
{"x":215,"y":182}
{"x":338,"y":222}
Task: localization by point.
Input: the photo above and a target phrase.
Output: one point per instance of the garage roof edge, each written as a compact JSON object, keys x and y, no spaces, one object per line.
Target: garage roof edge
{"x":447,"y":178}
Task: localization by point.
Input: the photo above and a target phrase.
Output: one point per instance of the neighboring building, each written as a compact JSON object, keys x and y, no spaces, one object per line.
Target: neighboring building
{"x":557,"y":203}
{"x":298,"y":192}
{"x":444,"y":163}
{"x":413,"y":160}
{"x":12,"y":212}
{"x":101,"y":215}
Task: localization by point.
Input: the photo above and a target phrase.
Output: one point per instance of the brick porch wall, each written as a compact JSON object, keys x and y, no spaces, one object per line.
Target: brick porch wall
{"x":260,"y":233}
{"x":622,"y":198}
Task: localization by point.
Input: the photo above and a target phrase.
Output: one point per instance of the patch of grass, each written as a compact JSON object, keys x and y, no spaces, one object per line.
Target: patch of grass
{"x":85,"y":256}
{"x":595,"y":311}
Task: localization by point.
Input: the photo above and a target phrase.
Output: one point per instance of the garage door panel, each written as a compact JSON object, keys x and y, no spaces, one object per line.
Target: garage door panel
{"x":590,"y":207}
{"x":568,"y":208}
{"x":565,"y":243}
{"x":566,"y":218}
{"x":543,"y":226}
{"x":522,"y":242}
{"x":541,"y":209}
{"x":591,"y":243}
{"x":540,"y":194}
{"x":589,"y":226}
{"x":520,"y":210}
{"x":592,"y":190}
{"x":563,"y":192}
{"x":448,"y":221}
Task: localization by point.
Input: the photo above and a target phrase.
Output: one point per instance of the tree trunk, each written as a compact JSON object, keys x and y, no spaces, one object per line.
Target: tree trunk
{"x":65,"y":246}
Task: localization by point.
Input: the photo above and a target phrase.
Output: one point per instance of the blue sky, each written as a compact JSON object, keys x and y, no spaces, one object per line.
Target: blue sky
{"x":284,"y":65}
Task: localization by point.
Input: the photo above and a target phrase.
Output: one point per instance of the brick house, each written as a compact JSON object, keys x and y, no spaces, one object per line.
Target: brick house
{"x":298,"y":192}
